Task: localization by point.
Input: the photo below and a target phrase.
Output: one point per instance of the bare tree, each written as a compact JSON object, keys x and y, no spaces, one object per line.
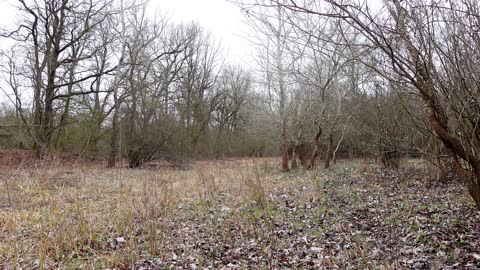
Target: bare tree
{"x":197,"y":96}
{"x":52,"y":37}
{"x":233,"y":86}
{"x":115,"y":84}
{"x":156,"y":57}
{"x":429,"y":46}
{"x":272,"y":36}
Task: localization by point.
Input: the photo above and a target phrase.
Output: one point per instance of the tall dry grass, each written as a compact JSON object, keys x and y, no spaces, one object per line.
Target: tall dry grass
{"x":82,"y":216}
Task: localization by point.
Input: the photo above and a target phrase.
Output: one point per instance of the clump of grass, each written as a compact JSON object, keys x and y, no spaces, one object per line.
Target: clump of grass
{"x":207,"y":185}
{"x":318,"y":184}
{"x":252,"y":181}
{"x":268,"y":166}
{"x":9,"y":197}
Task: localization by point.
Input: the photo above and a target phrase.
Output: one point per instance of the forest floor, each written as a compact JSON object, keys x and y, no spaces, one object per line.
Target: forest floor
{"x":236,"y":214}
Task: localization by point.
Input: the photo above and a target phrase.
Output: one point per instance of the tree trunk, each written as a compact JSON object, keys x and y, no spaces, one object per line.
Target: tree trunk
{"x":471,"y":178}
{"x":294,"y":164}
{"x":316,"y":149}
{"x":303,"y":154}
{"x":115,"y":130}
{"x":473,"y":186}
{"x":338,"y":146}
{"x":282,"y":91}
{"x":66,"y":110}
{"x":284,"y":146}
{"x":298,"y":150}
{"x":114,"y":142}
{"x":329,"y":153}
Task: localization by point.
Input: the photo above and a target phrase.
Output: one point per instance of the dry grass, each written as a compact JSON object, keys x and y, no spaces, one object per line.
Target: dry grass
{"x":54,"y":216}
{"x":83,"y":216}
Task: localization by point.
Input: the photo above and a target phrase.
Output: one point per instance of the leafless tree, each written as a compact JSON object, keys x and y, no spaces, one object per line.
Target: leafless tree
{"x":197,"y":97}
{"x":52,"y":37}
{"x":156,"y":59}
{"x":116,"y":99}
{"x":432,"y":47}
{"x":272,"y":35}
{"x":234,"y":85}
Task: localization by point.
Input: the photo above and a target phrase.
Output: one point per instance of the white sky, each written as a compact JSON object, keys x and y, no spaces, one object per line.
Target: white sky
{"x":219,"y":17}
{"x":222,"y":19}
{"x":7,"y":13}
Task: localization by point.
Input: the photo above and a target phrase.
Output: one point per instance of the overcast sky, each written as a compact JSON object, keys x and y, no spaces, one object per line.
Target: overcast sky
{"x":221,"y":18}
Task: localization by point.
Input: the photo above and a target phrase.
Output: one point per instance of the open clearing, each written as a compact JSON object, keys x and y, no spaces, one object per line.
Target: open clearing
{"x":234,"y":214}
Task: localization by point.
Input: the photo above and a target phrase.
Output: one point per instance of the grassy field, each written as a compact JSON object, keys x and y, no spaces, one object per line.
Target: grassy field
{"x":234,"y":214}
